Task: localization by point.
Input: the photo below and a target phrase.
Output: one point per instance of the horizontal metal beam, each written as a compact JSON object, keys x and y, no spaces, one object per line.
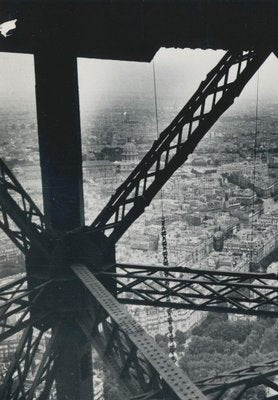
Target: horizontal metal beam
{"x":193,"y":289}
{"x":136,"y":360}
{"x":141,"y":26}
{"x":224,"y":384}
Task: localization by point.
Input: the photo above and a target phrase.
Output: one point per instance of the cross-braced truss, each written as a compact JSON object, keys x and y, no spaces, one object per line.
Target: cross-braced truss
{"x":31,"y":371}
{"x":206,"y":290}
{"x":234,"y":384}
{"x":15,"y":306}
{"x":142,"y":370}
{"x":20,"y":218}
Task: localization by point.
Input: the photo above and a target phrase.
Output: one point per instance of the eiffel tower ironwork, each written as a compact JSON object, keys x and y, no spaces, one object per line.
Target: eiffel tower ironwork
{"x":71,"y":296}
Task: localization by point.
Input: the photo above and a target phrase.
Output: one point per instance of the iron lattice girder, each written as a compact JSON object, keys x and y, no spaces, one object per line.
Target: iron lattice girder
{"x":147,"y":367}
{"x":241,"y":379}
{"x":207,"y":290}
{"x":138,"y":364}
{"x":170,"y":151}
{"x":214,"y":96}
{"x":15,"y":306}
{"x":20,"y":218}
{"x":26,"y":378}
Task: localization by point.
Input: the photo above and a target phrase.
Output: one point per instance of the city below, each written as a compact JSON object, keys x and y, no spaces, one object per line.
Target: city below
{"x":220,"y":207}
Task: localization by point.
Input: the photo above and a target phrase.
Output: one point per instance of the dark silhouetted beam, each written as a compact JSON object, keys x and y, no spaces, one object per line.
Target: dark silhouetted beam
{"x":135,"y":30}
{"x":61,"y":168}
{"x":59,"y":138}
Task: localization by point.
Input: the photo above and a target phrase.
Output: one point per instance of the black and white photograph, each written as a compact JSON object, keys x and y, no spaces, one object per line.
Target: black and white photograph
{"x":138,"y":200}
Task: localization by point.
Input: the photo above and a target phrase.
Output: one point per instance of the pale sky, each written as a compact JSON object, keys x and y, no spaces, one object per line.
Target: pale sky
{"x":178,"y":72}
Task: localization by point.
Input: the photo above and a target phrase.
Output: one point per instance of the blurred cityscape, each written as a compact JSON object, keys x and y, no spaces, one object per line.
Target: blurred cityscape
{"x":221,"y":207}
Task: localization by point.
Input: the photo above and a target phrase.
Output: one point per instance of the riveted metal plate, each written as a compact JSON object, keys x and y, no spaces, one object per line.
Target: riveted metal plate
{"x":172,"y":377}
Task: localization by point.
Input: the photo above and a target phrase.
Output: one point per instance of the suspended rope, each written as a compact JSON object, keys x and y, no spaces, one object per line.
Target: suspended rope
{"x":171,"y":340}
{"x":254,"y":171}
{"x":155,"y":100}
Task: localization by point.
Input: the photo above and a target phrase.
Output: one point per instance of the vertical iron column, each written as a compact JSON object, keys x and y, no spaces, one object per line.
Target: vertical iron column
{"x":61,"y":168}
{"x":59,"y":138}
{"x":74,"y":376}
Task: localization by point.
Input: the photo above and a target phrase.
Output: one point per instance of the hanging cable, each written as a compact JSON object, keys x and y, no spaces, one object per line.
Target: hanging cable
{"x":171,"y":340}
{"x":254,"y":171}
{"x":155,"y":100}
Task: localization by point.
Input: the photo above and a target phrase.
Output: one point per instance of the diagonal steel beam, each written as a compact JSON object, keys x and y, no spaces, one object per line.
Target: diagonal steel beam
{"x":44,"y":376}
{"x":214,"y":96}
{"x":16,"y":300}
{"x":150,"y":369}
{"x":30,"y":372}
{"x":20,"y":218}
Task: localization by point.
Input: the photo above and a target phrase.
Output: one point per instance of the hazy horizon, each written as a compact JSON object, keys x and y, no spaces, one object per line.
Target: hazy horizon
{"x":178,"y":74}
